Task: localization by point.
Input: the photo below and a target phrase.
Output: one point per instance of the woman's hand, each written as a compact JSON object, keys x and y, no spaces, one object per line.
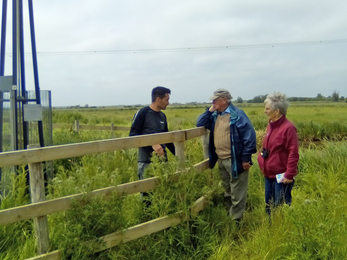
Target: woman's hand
{"x":286,"y":181}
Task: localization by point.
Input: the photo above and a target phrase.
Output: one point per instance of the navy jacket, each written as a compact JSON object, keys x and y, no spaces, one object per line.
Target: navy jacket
{"x":147,"y":121}
{"x":243,"y":134}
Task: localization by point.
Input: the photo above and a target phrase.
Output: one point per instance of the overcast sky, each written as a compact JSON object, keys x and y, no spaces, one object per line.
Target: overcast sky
{"x":106,"y":52}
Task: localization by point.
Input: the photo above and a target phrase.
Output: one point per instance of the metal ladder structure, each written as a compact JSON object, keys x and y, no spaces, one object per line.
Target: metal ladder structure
{"x":15,"y":84}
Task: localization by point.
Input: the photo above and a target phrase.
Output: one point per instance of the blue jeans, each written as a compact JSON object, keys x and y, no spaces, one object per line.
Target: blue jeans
{"x":277,"y":193}
{"x":141,"y":173}
{"x":141,"y":167}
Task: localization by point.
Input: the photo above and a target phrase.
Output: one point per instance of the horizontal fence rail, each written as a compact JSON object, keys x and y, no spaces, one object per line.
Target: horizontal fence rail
{"x":39,"y":208}
{"x":25,"y":212}
{"x":138,"y":231}
{"x":95,"y":147}
{"x":95,"y":127}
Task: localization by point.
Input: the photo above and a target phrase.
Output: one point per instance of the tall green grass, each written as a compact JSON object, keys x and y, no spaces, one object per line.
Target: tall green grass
{"x":314,"y":121}
{"x":314,"y":227}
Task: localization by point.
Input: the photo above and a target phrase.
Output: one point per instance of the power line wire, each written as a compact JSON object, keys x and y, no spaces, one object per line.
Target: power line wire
{"x":195,"y":49}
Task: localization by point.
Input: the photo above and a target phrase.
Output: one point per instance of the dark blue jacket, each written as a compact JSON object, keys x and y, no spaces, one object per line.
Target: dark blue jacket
{"x":147,"y":121}
{"x":242,"y":137}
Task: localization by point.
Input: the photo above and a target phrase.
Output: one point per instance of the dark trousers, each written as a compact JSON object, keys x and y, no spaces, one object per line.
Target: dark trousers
{"x":277,"y":193}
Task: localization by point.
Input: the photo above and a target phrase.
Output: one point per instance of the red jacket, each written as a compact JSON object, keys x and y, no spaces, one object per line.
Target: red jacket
{"x":282,"y":142}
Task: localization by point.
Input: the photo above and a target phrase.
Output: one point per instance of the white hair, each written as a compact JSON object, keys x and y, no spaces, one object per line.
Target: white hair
{"x":277,"y":100}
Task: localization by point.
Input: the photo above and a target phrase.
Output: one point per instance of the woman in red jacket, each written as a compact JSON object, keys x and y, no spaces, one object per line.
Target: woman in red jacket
{"x":279,"y":158}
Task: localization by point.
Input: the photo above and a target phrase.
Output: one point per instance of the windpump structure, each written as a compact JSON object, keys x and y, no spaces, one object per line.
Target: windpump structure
{"x":21,"y":111}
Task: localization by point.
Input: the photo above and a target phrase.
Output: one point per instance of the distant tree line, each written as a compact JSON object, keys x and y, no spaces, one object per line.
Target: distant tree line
{"x":335,"y":97}
{"x":258,"y":99}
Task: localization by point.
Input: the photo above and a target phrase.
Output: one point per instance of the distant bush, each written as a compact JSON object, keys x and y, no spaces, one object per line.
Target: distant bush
{"x":311,"y":131}
{"x":239,"y":100}
{"x":68,"y":117}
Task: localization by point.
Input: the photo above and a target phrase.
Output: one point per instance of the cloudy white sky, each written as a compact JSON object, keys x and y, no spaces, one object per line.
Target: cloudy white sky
{"x":106,"y":52}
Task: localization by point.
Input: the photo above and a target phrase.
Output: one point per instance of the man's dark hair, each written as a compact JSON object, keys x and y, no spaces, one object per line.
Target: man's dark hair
{"x":159,"y":92}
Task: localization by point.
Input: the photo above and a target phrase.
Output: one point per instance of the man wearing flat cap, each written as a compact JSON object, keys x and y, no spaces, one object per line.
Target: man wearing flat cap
{"x":232,"y":143}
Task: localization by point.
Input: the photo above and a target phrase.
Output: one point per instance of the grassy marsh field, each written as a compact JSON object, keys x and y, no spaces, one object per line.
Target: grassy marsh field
{"x":314,"y":227}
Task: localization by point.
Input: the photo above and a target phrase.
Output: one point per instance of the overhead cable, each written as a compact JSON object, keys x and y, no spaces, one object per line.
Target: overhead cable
{"x":195,"y":49}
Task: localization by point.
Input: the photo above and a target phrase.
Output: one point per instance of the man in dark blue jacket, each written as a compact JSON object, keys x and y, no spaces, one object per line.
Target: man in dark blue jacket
{"x":232,"y":143}
{"x":151,"y":120}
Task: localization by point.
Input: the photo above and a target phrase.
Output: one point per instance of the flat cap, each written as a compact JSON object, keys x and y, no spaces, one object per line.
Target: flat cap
{"x":221,"y":92}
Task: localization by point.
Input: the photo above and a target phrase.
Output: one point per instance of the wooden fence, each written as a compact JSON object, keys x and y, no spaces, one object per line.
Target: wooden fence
{"x":77,"y":127}
{"x":39,"y":208}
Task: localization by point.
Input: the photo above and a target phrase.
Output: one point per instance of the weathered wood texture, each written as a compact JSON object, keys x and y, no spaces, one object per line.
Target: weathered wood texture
{"x":61,"y":126}
{"x":179,"y":149}
{"x":195,"y":132}
{"x":39,"y":209}
{"x":54,"y":255}
{"x":138,"y":231}
{"x":77,"y":126}
{"x":99,"y":127}
{"x":80,"y":149}
{"x":150,"y":227}
{"x":37,"y":194}
{"x":30,"y":211}
{"x":96,"y":127}
{"x":205,"y":142}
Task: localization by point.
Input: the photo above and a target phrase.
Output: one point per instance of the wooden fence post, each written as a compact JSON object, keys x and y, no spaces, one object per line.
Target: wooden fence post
{"x":37,"y":193}
{"x":205,"y":142}
{"x":112,"y":129}
{"x":77,"y":126}
{"x":49,"y":171}
{"x":179,"y":148}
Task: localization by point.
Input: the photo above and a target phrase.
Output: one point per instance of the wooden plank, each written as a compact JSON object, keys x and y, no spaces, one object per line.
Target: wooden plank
{"x":142,"y":230}
{"x":54,"y":255}
{"x":201,"y":166}
{"x":149,"y":227}
{"x":12,"y":215}
{"x":94,"y":127}
{"x":121,"y":128}
{"x":61,"y":126}
{"x":198,"y":205}
{"x":37,"y":194}
{"x":101,"y":127}
{"x":133,"y":233}
{"x":30,"y":211}
{"x":205,"y":142}
{"x":179,"y":148}
{"x":195,"y":132}
{"x":77,"y":126}
{"x":86,"y":148}
{"x":89,"y":127}
{"x":112,"y":130}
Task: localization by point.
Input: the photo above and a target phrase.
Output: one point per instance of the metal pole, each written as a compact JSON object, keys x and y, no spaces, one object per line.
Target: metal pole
{"x":3,"y":37}
{"x":22,"y":73}
{"x":33,"y":48}
{"x":14,"y":42}
{"x":2,"y":69}
{"x":35,"y":67}
{"x":14,"y":72}
{"x":21,"y":48}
